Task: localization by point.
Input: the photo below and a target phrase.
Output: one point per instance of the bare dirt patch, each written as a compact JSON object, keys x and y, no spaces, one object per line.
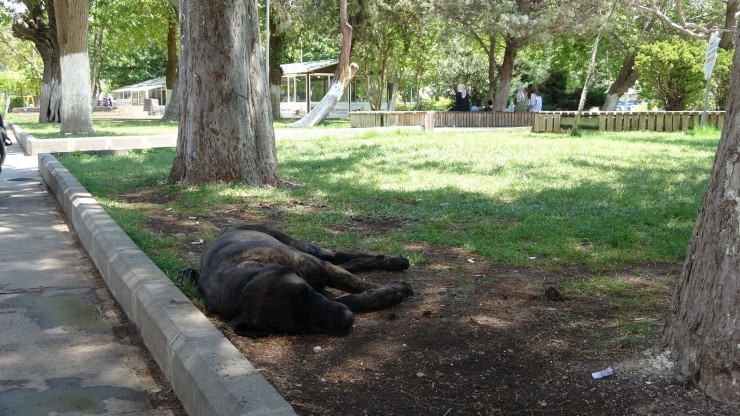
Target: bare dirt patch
{"x":475,"y":339}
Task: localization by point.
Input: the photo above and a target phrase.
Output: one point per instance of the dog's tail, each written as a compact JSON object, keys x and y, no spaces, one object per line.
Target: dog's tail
{"x":188,"y":277}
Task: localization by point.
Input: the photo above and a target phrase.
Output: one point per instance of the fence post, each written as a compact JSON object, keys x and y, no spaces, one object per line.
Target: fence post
{"x":428,"y":121}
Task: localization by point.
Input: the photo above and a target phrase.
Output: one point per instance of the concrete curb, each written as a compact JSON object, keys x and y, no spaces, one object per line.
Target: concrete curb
{"x":208,"y":374}
{"x":33,"y":146}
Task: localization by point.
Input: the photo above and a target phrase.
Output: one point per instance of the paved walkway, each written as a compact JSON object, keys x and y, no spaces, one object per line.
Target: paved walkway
{"x":58,"y":350}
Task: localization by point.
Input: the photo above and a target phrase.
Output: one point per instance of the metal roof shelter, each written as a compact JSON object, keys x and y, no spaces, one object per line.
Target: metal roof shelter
{"x":137,"y":93}
{"x":314,"y":77}
{"x":302,"y":68}
{"x":304,"y":84}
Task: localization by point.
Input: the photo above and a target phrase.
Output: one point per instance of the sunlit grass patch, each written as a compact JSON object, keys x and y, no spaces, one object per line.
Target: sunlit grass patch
{"x":601,"y":200}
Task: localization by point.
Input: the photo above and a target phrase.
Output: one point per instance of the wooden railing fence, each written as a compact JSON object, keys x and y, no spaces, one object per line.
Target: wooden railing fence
{"x":431,"y":119}
{"x":667,"y":121}
{"x":546,"y":121}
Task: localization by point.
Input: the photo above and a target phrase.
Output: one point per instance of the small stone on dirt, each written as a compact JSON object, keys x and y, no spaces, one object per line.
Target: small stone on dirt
{"x":554,"y":295}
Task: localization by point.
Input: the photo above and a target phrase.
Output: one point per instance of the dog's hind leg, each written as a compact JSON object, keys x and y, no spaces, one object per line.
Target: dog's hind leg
{"x":378,"y":298}
{"x":368,"y":262}
{"x":339,"y":278}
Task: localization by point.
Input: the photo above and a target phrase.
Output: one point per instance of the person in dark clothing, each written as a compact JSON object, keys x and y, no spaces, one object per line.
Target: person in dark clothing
{"x":462,"y":99}
{"x":4,"y":141}
{"x":4,"y":133}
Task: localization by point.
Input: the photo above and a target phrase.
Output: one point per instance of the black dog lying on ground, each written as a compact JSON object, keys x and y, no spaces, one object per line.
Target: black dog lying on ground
{"x":263,"y":281}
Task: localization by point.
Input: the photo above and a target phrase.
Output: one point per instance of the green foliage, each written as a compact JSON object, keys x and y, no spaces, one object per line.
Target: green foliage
{"x":721,"y":79}
{"x":558,"y":93}
{"x":128,"y":40}
{"x":672,"y":73}
{"x":17,"y":102}
{"x":136,"y":65}
{"x":440,"y":104}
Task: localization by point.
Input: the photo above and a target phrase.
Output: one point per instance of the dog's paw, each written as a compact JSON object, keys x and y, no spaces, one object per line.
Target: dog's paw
{"x":402,"y":287}
{"x":394,"y":264}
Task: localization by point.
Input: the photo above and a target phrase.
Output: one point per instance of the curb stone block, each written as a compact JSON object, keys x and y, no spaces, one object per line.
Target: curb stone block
{"x":208,"y":374}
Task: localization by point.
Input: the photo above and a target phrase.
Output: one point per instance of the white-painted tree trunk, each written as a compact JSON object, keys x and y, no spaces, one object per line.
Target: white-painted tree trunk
{"x":76,"y":108}
{"x":610,"y":102}
{"x":344,"y":75}
{"x":50,"y":101}
{"x":330,"y":100}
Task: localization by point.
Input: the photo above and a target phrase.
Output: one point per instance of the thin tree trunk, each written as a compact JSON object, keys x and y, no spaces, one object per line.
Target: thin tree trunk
{"x":727,"y":37}
{"x":392,"y":94}
{"x":342,"y":78}
{"x":702,"y":326}
{"x":506,"y":71}
{"x":277,"y":41}
{"x":172,"y":107}
{"x":76,"y":110}
{"x":591,"y":67}
{"x":492,"y":71}
{"x":225,"y":132}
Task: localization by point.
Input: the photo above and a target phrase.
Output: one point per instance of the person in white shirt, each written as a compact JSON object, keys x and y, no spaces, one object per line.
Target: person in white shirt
{"x":535,"y":99}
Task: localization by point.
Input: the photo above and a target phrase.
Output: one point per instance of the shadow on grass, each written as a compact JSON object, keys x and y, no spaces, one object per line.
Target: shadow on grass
{"x":620,"y":214}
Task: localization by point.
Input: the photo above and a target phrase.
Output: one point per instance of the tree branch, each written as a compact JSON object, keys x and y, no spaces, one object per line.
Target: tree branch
{"x":687,"y":29}
{"x":23,"y":56}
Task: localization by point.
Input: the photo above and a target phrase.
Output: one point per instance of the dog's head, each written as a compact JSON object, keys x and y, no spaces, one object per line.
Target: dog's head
{"x":277,"y":300}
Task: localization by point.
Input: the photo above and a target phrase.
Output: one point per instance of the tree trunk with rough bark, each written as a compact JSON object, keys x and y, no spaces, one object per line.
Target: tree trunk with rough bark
{"x":702,"y":326}
{"x":506,"y":71}
{"x":626,"y":79}
{"x":34,"y":27}
{"x":342,"y":78}
{"x":76,"y":109}
{"x":225,"y":132}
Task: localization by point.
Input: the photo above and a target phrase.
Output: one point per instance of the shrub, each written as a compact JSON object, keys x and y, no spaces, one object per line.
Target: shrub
{"x":672,"y":72}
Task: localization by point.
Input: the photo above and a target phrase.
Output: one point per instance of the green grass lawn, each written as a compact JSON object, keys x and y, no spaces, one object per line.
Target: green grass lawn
{"x":102,"y":127}
{"x":601,"y":200}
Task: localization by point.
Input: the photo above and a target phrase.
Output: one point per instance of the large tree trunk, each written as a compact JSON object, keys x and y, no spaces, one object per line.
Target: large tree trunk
{"x":76,"y":109}
{"x":342,"y":78}
{"x":225,"y":132}
{"x":625,"y":80}
{"x":592,"y":66}
{"x":34,"y":27}
{"x":506,"y":71}
{"x":172,"y":107}
{"x":702,"y":326}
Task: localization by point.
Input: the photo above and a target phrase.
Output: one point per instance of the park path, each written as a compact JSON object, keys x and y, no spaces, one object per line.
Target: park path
{"x":66,"y":347}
